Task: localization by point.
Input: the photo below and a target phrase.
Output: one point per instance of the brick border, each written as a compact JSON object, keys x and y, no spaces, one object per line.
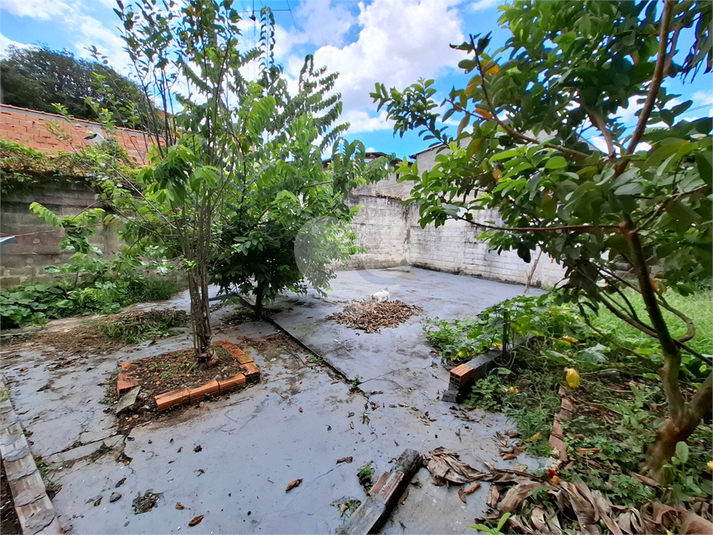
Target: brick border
{"x":34,"y":508}
{"x":249,"y":374}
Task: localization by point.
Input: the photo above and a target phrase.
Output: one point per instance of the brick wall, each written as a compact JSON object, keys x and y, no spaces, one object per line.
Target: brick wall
{"x":31,"y":129}
{"x":392,"y":235}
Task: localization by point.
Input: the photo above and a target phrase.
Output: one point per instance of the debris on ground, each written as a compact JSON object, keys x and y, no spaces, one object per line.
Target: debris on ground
{"x":371,"y":316}
{"x":445,"y":467}
{"x":195,"y":520}
{"x":292,"y":484}
{"x":549,"y":505}
{"x":143,"y":504}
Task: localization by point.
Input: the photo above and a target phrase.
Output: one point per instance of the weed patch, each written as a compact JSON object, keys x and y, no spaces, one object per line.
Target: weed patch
{"x":137,"y":328}
{"x":619,"y":402}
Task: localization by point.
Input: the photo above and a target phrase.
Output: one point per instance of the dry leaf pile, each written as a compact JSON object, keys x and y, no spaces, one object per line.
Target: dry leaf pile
{"x":372,"y":316}
{"x":511,"y":492}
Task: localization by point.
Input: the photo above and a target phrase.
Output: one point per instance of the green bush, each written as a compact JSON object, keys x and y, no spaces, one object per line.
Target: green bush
{"x":36,"y":303}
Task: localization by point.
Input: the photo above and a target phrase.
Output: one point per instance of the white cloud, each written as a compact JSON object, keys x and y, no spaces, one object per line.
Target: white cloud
{"x":36,"y":9}
{"x":482,"y":4}
{"x":87,"y":31}
{"x":399,"y":42}
{"x":6,"y":43}
{"x":702,"y":98}
{"x":361,"y":121}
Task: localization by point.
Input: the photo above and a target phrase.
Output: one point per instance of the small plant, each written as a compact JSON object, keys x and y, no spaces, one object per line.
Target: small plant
{"x":366,"y":475}
{"x":357,"y":381}
{"x":492,"y":530}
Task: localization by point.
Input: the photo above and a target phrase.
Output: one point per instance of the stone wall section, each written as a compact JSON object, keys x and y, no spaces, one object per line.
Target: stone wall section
{"x":37,"y":244}
{"x":390,"y":232}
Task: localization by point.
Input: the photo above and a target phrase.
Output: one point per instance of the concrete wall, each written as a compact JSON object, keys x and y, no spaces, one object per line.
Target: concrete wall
{"x":392,"y":236}
{"x":37,"y":243}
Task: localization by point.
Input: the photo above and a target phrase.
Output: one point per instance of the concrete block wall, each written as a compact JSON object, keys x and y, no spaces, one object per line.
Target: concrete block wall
{"x":37,"y":243}
{"x":392,"y":235}
{"x":32,"y":129}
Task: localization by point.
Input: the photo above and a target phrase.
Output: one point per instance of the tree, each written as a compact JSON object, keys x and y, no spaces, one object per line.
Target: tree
{"x":38,"y":78}
{"x":238,"y":161}
{"x":566,"y":68}
{"x":290,"y":226}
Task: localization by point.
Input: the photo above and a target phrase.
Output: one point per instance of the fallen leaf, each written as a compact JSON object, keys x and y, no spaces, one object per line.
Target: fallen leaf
{"x":472,"y":489}
{"x":329,"y":428}
{"x":351,"y":424}
{"x":587,"y":451}
{"x":198,"y":448}
{"x":114,"y":497}
{"x":301,"y":409}
{"x":345,"y":460}
{"x":509,"y":456}
{"x":517,"y":494}
{"x":195,"y":520}
{"x":343,"y":507}
{"x":461,"y":494}
{"x":350,"y":415}
{"x":535,"y":437}
{"x":179,"y":506}
{"x":292,"y":484}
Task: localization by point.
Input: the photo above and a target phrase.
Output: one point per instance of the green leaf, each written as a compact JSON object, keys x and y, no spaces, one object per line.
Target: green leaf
{"x":504,"y":155}
{"x":556,"y":162}
{"x":662,"y":150}
{"x":682,"y":452}
{"x":632,"y":188}
{"x":704,"y":166}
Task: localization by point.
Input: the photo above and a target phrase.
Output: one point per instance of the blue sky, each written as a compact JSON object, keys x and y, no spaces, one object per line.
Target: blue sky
{"x":395,"y":42}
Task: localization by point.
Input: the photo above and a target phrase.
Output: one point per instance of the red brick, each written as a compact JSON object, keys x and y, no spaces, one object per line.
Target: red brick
{"x":239,"y":354}
{"x":172,"y":399}
{"x":460,"y":375}
{"x":252,"y":373}
{"x":211,"y":388}
{"x":125,"y":383}
{"x":126,"y":365}
{"x":234,"y":382}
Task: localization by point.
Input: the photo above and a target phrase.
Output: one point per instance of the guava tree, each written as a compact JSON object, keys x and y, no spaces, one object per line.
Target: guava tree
{"x":227,"y":142}
{"x":632,"y":220}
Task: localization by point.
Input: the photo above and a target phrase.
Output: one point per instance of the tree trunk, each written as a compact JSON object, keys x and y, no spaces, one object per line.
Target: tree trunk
{"x":258,"y":303}
{"x":200,"y":317}
{"x":673,"y":432}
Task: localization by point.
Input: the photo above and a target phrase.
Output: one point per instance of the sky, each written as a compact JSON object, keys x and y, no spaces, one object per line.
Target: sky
{"x":394,"y":42}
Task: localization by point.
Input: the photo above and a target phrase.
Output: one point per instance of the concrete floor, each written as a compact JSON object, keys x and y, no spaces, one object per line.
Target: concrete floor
{"x":295,"y":424}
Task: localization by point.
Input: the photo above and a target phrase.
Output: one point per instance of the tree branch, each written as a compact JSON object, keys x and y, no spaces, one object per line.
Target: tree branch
{"x":659,"y":73}
{"x":517,"y":135}
{"x":568,"y":228}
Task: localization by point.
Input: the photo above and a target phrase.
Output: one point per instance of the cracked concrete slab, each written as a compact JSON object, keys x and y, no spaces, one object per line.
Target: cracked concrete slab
{"x":295,"y":423}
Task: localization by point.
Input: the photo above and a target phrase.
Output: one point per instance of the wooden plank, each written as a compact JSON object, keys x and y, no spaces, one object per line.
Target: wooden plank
{"x":377,"y":507}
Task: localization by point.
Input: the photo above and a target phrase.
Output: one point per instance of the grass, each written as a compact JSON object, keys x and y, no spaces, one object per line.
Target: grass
{"x":698,"y":307}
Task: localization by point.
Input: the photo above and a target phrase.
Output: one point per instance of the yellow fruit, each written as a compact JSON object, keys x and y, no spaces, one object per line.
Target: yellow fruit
{"x":514,"y":390}
{"x":710,"y":466}
{"x":569,"y":339}
{"x":572,"y":377}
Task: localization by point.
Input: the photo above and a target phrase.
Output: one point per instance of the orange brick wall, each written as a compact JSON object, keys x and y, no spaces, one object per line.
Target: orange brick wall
{"x":29,"y":128}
